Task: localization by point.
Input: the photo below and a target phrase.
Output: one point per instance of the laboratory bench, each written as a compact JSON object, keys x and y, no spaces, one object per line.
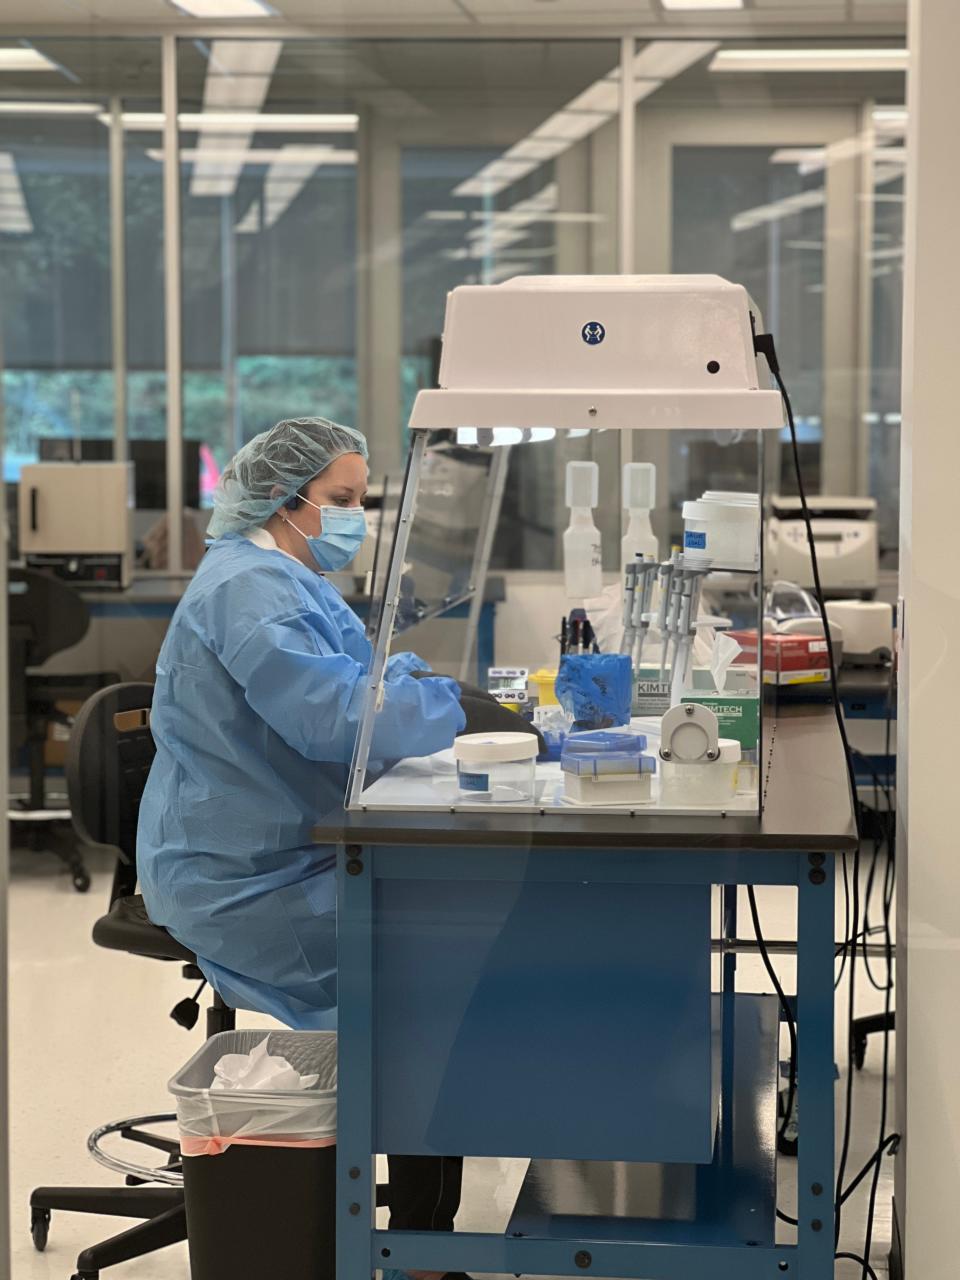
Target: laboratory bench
{"x":868,"y":696}
{"x":541,"y":986}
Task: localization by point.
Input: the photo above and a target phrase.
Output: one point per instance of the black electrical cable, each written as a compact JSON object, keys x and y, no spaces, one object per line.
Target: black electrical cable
{"x":842,"y":952}
{"x":868,"y":1271}
{"x":881,"y":844}
{"x":888,"y":841}
{"x":887,"y":1017}
{"x":784,"y":1006}
{"x":764,"y":344}
{"x":892,"y":1140}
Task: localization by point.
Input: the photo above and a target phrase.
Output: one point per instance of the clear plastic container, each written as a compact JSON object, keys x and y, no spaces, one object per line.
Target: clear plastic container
{"x":496,"y":768}
{"x":702,"y":782}
{"x":722,"y":530}
{"x":606,"y":767}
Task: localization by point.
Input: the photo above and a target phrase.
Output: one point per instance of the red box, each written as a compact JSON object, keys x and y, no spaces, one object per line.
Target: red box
{"x":787,"y":659}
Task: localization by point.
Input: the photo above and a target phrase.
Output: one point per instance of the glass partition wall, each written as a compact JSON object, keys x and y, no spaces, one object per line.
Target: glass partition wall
{"x":330,"y":192}
{"x":333,"y":191}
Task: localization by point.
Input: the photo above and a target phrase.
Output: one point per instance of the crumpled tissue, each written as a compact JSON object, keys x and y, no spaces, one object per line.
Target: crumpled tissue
{"x":258,"y":1070}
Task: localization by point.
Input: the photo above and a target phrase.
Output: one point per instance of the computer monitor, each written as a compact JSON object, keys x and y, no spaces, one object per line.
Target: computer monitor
{"x":149,"y":458}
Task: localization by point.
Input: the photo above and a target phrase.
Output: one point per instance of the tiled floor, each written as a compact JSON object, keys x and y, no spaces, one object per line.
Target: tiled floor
{"x":91,"y":1041}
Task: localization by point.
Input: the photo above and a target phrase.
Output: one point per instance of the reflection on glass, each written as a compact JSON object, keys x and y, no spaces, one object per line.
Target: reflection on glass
{"x":440,"y":554}
{"x":756,"y":215}
{"x":54,"y":282}
{"x":268,"y":162}
{"x":689,"y":634}
{"x":495,"y":195}
{"x":883,"y":414}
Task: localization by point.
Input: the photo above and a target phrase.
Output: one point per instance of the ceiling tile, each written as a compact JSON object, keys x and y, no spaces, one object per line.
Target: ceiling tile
{"x":880,"y":10}
{"x":550,"y":12}
{"x":801,"y":11}
{"x":383,"y":12}
{"x":34,"y":14}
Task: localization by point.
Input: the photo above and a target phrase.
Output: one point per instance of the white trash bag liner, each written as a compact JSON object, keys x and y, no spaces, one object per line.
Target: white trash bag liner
{"x":258,"y":1088}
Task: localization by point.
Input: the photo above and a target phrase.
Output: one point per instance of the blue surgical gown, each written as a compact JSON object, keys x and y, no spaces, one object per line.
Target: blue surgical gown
{"x":258,"y":697}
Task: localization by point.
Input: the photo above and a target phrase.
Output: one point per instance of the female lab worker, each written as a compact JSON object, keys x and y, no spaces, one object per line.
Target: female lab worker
{"x":258,"y":697}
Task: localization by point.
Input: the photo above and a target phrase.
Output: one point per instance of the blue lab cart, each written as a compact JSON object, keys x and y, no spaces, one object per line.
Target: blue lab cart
{"x":563,"y":987}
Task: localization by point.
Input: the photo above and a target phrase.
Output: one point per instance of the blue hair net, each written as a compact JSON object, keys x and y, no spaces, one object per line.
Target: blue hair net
{"x":275,"y":465}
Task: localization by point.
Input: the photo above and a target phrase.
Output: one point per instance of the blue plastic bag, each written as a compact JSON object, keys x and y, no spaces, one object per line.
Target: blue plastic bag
{"x":596,"y":689}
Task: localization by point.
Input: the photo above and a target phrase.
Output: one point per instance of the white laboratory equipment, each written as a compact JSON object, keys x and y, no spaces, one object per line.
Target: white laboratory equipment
{"x":76,"y":521}
{"x":639,"y":499}
{"x":722,"y":531}
{"x":867,"y":628}
{"x":845,"y":535}
{"x":529,"y":368}
{"x":582,"y":553}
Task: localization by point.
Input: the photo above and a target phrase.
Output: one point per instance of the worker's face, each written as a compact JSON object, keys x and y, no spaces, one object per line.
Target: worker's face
{"x":342,"y":484}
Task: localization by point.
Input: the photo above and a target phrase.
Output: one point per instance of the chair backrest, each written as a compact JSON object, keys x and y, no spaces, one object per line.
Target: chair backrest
{"x":46,"y":614}
{"x":109,"y":755}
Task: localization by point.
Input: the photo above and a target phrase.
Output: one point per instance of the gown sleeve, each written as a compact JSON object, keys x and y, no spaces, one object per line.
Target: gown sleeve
{"x":312,"y":694}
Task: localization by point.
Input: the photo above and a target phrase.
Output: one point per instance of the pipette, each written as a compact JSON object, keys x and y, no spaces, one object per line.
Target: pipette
{"x":668,"y":609}
{"x":648,"y":569}
{"x":630,"y":576}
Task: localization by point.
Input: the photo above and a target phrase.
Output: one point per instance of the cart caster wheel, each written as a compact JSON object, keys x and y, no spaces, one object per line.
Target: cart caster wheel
{"x":40,"y":1228}
{"x":81,"y":881}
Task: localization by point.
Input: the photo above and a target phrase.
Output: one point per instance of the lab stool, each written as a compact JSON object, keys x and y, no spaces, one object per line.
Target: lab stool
{"x":152,"y":1194}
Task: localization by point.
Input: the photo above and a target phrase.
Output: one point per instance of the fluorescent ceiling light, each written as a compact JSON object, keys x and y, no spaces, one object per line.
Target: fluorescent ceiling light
{"x":277,"y":122}
{"x":758,"y":60}
{"x":262,"y":156}
{"x":14,"y":215}
{"x":777,"y":209}
{"x":678,"y":5}
{"x":798,"y":155}
{"x":285,"y":179}
{"x":235,"y":87}
{"x":658,"y":61}
{"x":25,"y":58}
{"x":240,"y":122}
{"x":890,"y":122}
{"x":664,"y":59}
{"x":239,"y":74}
{"x":445,"y":215}
{"x":146,"y":121}
{"x":224,"y":8}
{"x":512,"y":215}
{"x":889,"y":115}
{"x":50,"y":108}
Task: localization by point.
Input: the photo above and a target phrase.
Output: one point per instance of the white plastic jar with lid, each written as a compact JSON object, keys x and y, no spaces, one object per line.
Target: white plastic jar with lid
{"x":722,"y":530}
{"x":702,"y":782}
{"x":496,"y":768}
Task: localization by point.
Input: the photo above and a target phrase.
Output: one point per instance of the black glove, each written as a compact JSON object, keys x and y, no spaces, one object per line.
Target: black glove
{"x":466,"y":690}
{"x":485,"y":714}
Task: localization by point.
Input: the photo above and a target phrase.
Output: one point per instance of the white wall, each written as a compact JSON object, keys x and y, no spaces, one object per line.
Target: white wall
{"x":928,"y":978}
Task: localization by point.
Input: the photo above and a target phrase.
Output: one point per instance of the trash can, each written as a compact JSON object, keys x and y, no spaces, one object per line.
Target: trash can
{"x":259,"y":1164}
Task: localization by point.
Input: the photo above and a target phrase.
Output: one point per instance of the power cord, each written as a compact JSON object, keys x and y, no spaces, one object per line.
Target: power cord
{"x":784,"y":1008}
{"x":868,"y":1271}
{"x":764,"y":345}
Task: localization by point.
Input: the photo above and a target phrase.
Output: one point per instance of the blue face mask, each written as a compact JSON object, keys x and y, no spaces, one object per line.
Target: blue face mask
{"x":343,"y":530}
